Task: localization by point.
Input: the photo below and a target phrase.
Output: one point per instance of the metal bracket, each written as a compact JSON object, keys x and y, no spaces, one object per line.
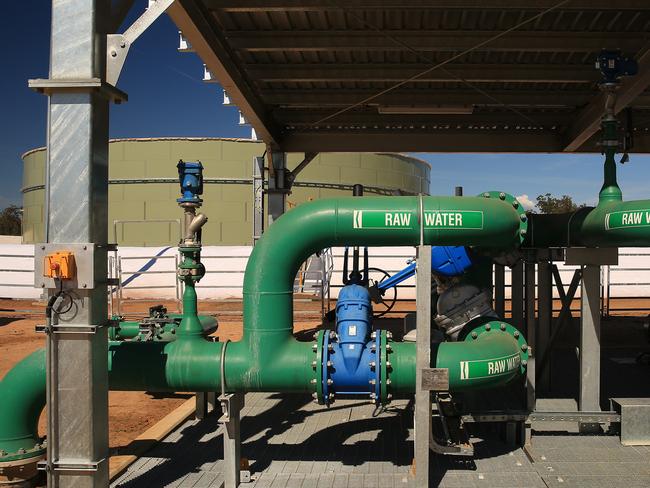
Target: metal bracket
{"x":95,"y":85}
{"x":68,"y":329}
{"x":118,"y":45}
{"x":231,"y":403}
{"x":70,"y":467}
{"x":84,"y":255}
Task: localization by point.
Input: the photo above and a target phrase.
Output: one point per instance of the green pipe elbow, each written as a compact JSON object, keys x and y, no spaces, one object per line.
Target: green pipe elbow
{"x":617,"y":224}
{"x":491,"y":355}
{"x":22,"y":394}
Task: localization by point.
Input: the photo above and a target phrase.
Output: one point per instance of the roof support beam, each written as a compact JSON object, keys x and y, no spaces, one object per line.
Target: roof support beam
{"x":212,"y":48}
{"x":587,"y":123}
{"x":322,"y":5}
{"x":468,"y":141}
{"x":304,"y":98}
{"x":516,"y":73}
{"x":429,"y":40}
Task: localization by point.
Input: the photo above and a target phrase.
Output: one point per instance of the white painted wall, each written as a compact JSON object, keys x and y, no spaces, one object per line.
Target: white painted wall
{"x":226,"y":264}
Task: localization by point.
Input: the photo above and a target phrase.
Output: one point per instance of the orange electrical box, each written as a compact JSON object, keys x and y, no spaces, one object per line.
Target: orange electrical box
{"x":60,"y":265}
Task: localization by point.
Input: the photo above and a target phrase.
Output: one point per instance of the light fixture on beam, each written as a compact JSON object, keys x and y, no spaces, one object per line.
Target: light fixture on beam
{"x":426,"y":110}
{"x":184,"y":45}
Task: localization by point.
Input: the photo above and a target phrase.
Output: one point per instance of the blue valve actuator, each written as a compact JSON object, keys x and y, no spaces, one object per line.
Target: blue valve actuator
{"x":445,"y":260}
{"x":190,"y":176}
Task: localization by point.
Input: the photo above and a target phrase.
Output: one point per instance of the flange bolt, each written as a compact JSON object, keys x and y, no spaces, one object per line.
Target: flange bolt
{"x":502,"y":196}
{"x":389,"y":334}
{"x":524,"y":347}
{"x":329,"y":364}
{"x":314,"y":347}
{"x":516,"y":334}
{"x":524,"y":362}
{"x":314,"y":364}
{"x":314,"y":381}
{"x":372,"y":382}
{"x":330,"y":381}
{"x":372,"y":364}
{"x":488,"y":327}
{"x":474,"y":335}
{"x":503,"y":326}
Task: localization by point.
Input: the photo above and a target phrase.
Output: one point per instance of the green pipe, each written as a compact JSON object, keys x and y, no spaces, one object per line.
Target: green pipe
{"x":272,"y":355}
{"x":131,"y":329}
{"x":268,"y":358}
{"x":22,"y":394}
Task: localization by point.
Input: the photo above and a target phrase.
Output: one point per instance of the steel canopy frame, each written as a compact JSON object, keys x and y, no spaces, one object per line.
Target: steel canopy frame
{"x":534,"y":89}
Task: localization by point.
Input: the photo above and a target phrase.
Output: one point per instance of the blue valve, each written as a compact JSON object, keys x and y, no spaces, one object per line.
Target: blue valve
{"x":190,"y":176}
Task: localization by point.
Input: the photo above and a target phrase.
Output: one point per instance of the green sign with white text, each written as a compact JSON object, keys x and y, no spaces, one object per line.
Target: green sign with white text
{"x":627,"y":218}
{"x":485,"y":368}
{"x":438,"y":219}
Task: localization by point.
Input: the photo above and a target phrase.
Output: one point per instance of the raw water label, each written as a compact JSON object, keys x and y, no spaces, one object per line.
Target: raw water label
{"x":627,"y":218}
{"x":485,"y":368}
{"x":439,"y":219}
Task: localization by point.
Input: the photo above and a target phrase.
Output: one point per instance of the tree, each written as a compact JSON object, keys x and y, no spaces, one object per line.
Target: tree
{"x":10,"y":221}
{"x":548,"y":204}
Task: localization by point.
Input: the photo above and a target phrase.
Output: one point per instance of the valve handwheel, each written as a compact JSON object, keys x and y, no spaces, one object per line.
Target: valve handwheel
{"x":382,"y":303}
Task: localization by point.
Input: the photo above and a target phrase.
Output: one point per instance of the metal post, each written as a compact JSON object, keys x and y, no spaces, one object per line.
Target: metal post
{"x":589,"y":399}
{"x":545,"y":317}
{"x":277,"y":191}
{"x":231,"y":405}
{"x":77,"y":212}
{"x":530,"y":333}
{"x":517,"y":294}
{"x":258,"y":198}
{"x":423,"y":361}
{"x":500,"y":290}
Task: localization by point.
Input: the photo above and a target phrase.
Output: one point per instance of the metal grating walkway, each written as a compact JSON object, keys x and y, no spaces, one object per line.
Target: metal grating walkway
{"x":294,"y":443}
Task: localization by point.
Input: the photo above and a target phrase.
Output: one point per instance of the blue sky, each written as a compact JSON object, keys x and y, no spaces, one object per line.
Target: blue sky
{"x":168,"y":98}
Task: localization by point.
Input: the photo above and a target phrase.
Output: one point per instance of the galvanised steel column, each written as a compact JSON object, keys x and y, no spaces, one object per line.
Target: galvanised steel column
{"x":277,"y":189}
{"x":77,"y":212}
{"x":589,"y":398}
{"x":544,"y":314}
{"x":422,"y":419}
{"x":258,"y":198}
{"x":529,"y":276}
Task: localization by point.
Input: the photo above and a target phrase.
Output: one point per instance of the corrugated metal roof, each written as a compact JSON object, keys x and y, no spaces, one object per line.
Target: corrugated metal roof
{"x":291,"y":64}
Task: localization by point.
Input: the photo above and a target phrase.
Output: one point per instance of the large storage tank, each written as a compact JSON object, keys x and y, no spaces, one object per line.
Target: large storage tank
{"x":143,"y":186}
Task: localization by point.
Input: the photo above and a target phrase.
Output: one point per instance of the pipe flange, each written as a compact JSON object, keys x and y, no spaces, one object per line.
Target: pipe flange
{"x":321,"y":365}
{"x":501,"y":327}
{"x":13,"y":458}
{"x":519,"y":208}
{"x":383,"y":361}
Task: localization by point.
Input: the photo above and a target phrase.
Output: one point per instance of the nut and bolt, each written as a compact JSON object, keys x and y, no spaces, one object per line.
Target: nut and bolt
{"x":373,"y":396}
{"x":313,"y":381}
{"x":330,"y":347}
{"x":502,"y":196}
{"x":515,"y":204}
{"x":474,"y":335}
{"x":388,"y":364}
{"x":329,"y":364}
{"x":331,"y":396}
{"x":524,"y":347}
{"x":524,"y":362}
{"x":488,"y":327}
{"x":516,"y":334}
{"x":314,"y":364}
{"x":372,"y":364}
{"x":373,"y":335}
{"x":523,"y":232}
{"x":389,"y":335}
{"x":503,"y":326}
{"x":388,"y":381}
{"x":372,"y":382}
{"x":314,"y":347}
{"x":332,"y":335}
{"x":486,"y":195}
{"x":389,"y":397}
{"x":314,"y":395}
{"x":389,"y":348}
{"x":330,"y":381}
{"x":315,"y":336}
